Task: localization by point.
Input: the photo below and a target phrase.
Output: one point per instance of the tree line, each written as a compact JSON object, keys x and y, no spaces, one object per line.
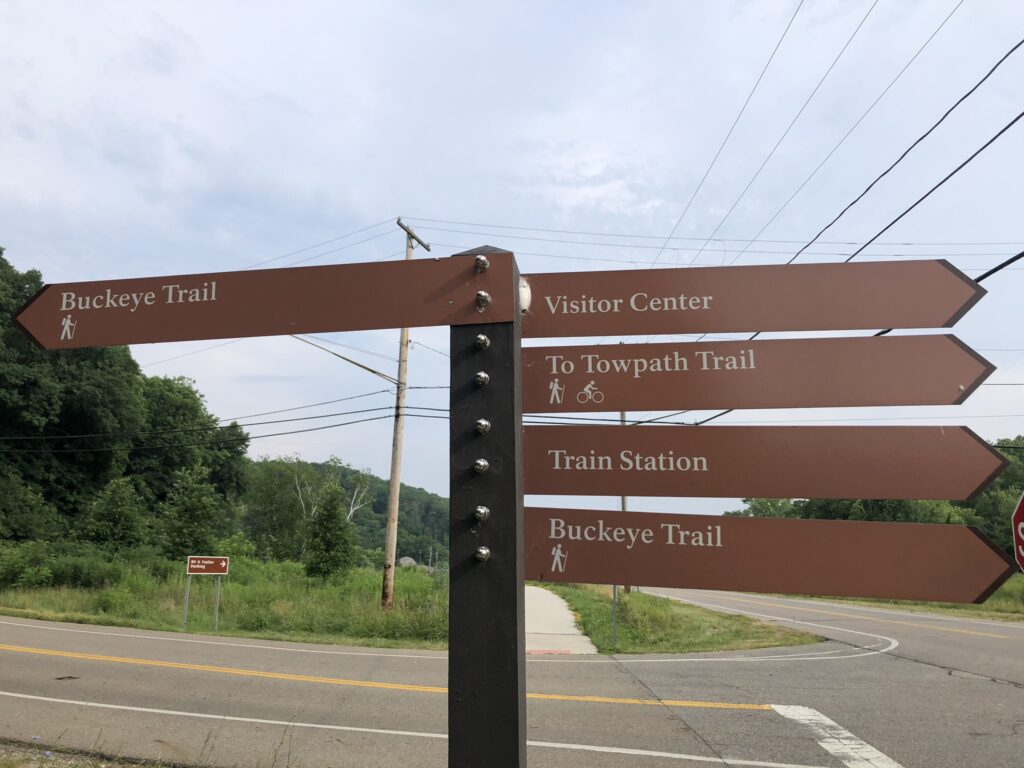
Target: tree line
{"x":990,"y":510}
{"x":95,"y":452}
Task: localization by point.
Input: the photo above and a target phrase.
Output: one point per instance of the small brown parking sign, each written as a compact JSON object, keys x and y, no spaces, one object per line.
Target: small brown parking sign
{"x":204,"y":565}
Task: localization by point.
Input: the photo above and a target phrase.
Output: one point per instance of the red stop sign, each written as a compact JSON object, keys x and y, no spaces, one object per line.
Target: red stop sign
{"x":1018,"y":532}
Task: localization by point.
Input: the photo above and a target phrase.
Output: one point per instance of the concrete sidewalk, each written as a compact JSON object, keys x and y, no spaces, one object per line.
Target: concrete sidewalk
{"x":550,"y":625}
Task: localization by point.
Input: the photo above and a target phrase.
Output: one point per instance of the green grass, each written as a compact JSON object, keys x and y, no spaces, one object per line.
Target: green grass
{"x":651,"y":624}
{"x":1005,"y":604}
{"x":268,"y":600}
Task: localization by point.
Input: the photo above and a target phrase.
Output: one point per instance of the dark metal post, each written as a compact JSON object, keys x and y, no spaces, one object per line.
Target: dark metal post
{"x":216,"y":606}
{"x":184,"y":611}
{"x":486,"y":636}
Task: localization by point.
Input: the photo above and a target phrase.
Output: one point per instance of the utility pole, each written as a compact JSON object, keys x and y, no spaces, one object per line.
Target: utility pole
{"x":622,"y":499}
{"x":387,"y":595}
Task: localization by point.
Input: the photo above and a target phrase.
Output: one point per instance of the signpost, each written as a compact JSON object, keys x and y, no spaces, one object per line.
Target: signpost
{"x":782,"y":373}
{"x":198,"y":565}
{"x":268,"y":302}
{"x":477,"y":293}
{"x":836,"y":558}
{"x":1017,"y":521}
{"x":784,"y":297}
{"x":205,"y":565}
{"x":765,"y":462}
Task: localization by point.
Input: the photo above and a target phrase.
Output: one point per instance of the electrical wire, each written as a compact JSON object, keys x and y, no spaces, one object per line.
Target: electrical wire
{"x":843,"y":140}
{"x":698,"y":239}
{"x":368,"y":369}
{"x":783,"y":252}
{"x":785,"y":133}
{"x":728,"y":135}
{"x":228,"y":441}
{"x":908,"y":150}
{"x":321,"y":244}
{"x":185,"y":430}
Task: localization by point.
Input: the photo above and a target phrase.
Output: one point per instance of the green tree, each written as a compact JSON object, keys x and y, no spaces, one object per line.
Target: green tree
{"x":118,"y":517}
{"x":331,"y":549}
{"x":24,"y":515}
{"x":194,"y":515}
{"x":765,"y":508}
{"x":180,"y":434}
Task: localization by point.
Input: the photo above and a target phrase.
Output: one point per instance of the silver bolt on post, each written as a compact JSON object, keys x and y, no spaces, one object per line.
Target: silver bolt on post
{"x":482,"y":426}
{"x":483,"y":554}
{"x":481,"y":465}
{"x":482,"y":263}
{"x":481,"y":341}
{"x":482,"y":378}
{"x":483,"y":300}
{"x":482,"y":513}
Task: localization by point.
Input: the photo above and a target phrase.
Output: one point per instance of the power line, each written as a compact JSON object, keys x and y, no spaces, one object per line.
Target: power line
{"x":908,"y":150}
{"x":185,"y":430}
{"x":928,"y":194}
{"x":366,"y":368}
{"x":321,"y":244}
{"x":698,"y":239}
{"x":310,"y":405}
{"x":728,"y":135}
{"x":227,"y":441}
{"x":782,"y":252}
{"x":785,"y":133}
{"x":846,"y":136}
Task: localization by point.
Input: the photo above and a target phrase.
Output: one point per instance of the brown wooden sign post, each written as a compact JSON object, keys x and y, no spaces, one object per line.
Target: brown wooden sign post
{"x":782,"y":373}
{"x":836,"y":558}
{"x":477,"y":294}
{"x":759,"y":462}
{"x":791,"y":297}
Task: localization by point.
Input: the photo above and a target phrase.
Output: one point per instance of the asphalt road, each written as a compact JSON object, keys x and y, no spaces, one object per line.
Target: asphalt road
{"x":887,"y":689}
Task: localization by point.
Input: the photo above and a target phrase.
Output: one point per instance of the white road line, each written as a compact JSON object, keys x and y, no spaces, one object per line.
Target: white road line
{"x":414,"y":734}
{"x":832,"y":737}
{"x":919,"y":615}
{"x":892,"y":645}
{"x":441,"y":656}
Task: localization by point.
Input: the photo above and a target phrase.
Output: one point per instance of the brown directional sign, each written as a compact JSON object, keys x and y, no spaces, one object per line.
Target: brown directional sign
{"x":764,"y":462}
{"x":784,"y":373}
{"x":206,"y":565}
{"x":269,"y":302}
{"x":839,"y":558}
{"x":793,"y":297}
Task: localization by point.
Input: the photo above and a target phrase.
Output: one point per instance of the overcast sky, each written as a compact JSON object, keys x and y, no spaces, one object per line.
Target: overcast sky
{"x":152,"y":138}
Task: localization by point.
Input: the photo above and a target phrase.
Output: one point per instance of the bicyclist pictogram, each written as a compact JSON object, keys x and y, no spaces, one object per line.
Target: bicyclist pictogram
{"x":590,"y":394}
